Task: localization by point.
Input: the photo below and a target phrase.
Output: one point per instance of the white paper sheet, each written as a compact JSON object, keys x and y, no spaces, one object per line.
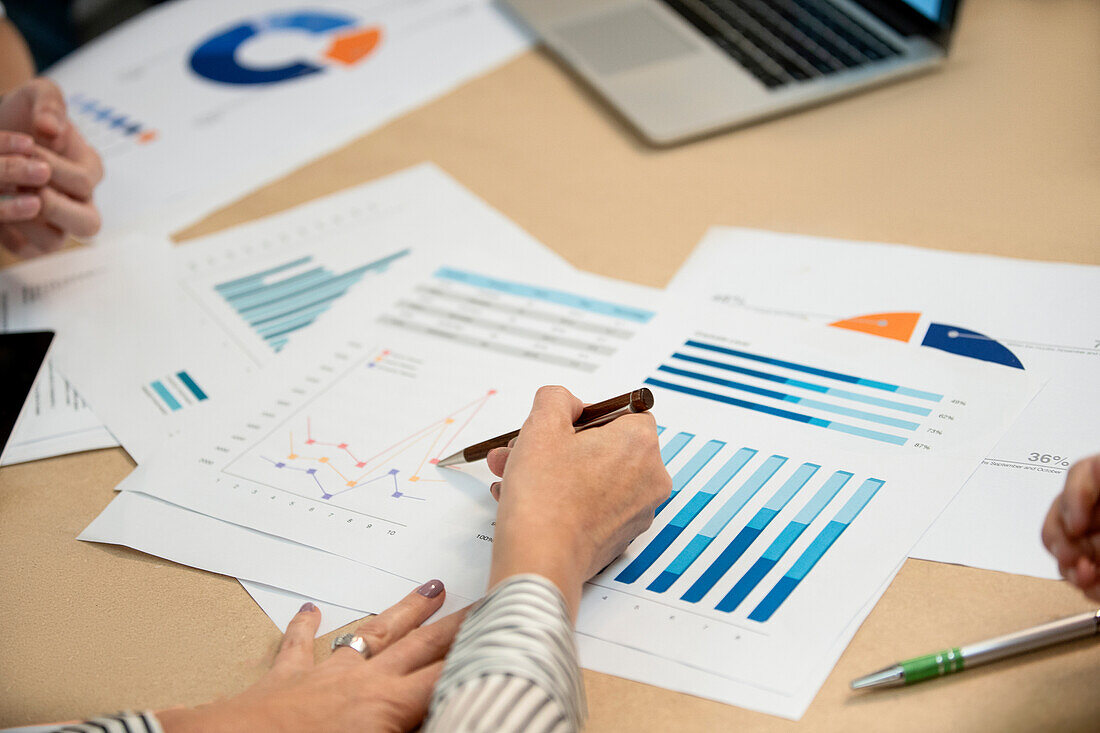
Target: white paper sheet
{"x":175,"y":329}
{"x":1043,"y":313}
{"x":281,"y":606}
{"x":401,"y":515}
{"x":58,"y":420}
{"x":193,"y":103}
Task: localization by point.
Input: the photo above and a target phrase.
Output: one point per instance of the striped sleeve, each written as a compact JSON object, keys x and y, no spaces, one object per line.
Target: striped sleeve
{"x":513,"y":666}
{"x":121,"y":723}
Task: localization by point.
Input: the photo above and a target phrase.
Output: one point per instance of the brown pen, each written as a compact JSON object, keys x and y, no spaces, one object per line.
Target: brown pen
{"x":591,"y":416}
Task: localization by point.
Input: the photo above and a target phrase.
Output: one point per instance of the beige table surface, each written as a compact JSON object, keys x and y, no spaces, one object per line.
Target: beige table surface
{"x":999,"y":152}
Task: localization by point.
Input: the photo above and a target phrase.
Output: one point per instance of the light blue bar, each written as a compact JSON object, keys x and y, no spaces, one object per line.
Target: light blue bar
{"x":231,"y":286}
{"x":327,"y":290}
{"x":267,"y":293}
{"x":675,"y":445}
{"x":864,"y":433}
{"x":753,"y":484}
{"x":660,"y":429}
{"x":869,"y":400}
{"x":791,"y":487}
{"x":849,"y":412}
{"x":711,"y":488}
{"x":165,"y":395}
{"x":557,"y":297}
{"x":824,"y":495}
{"x":684,"y":476}
{"x":854,"y":506}
{"x":783,"y":542}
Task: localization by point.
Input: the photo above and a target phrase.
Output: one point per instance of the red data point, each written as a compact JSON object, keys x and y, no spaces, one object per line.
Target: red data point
{"x":434,"y":461}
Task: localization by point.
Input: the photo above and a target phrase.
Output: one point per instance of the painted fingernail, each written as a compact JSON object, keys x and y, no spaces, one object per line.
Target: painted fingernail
{"x":38,"y":169}
{"x":307,"y":606}
{"x":431,"y":589}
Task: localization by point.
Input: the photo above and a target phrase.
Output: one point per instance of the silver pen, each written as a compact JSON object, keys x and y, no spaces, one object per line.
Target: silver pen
{"x":957,"y":659}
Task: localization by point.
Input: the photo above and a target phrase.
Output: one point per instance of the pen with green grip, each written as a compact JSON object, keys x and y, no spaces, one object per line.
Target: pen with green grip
{"x":957,"y":659}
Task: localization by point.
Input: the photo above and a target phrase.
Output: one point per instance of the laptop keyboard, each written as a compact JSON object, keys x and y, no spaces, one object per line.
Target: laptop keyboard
{"x":785,"y":41}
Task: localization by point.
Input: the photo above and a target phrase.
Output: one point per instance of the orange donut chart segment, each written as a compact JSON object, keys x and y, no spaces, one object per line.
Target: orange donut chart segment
{"x":350,"y":48}
{"x":898,"y":326}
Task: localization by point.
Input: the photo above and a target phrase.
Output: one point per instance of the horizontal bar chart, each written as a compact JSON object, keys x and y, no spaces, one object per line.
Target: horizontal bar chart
{"x":283,"y":299}
{"x":828,"y":374}
{"x":779,"y":412}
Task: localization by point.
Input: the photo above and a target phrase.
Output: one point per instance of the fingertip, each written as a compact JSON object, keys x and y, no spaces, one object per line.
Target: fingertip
{"x":18,"y":143}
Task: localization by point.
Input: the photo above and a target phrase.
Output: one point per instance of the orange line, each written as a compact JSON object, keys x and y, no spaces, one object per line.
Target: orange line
{"x":329,"y":464}
{"x":471,"y":417}
{"x":430,"y":448}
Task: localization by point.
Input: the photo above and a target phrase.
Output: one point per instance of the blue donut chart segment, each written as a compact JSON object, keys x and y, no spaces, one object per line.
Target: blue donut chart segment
{"x":964,"y":342}
{"x":216,"y":60}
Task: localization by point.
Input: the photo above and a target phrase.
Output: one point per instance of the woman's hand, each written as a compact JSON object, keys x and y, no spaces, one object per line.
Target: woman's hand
{"x":1072,"y":528}
{"x":570,"y":502}
{"x":389,"y":691}
{"x":47,"y":172}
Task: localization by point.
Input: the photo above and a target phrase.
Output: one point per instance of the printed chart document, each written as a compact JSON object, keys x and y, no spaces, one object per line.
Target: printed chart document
{"x":1038,"y":317}
{"x":175,"y":328}
{"x":193,"y":103}
{"x":806,"y":461}
{"x":57,"y":420}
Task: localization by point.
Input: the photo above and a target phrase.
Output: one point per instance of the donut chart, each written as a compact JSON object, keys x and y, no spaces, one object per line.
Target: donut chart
{"x":902,"y":326}
{"x":216,"y":58}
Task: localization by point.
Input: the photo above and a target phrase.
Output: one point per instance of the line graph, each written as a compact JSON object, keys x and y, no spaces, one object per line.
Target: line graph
{"x":329,"y":468}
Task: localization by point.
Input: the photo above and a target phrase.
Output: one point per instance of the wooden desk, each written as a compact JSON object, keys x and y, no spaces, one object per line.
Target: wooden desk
{"x":997,"y":153}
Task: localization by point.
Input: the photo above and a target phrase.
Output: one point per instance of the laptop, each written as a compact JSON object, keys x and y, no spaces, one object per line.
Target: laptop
{"x":678,"y":69}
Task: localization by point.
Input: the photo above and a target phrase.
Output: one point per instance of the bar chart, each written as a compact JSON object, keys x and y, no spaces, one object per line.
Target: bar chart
{"x":710,"y":552}
{"x":175,"y":391}
{"x":836,"y":401}
{"x":283,"y":299}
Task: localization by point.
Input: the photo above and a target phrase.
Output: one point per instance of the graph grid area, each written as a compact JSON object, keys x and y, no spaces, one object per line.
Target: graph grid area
{"x":518,"y":319}
{"x":312,"y":458}
{"x":173,"y":392}
{"x":866,"y":408}
{"x":283,"y":299}
{"x":694,"y":554}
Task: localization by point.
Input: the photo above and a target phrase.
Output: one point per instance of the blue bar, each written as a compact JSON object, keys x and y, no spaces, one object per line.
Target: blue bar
{"x":266,"y":293}
{"x":557,"y":297}
{"x":816,"y":404}
{"x":684,"y":517}
{"x":812,"y":554}
{"x":783,"y":542}
{"x":191,"y":385}
{"x":660,"y":429}
{"x":325,"y":291}
{"x":787,"y":414}
{"x":886,"y":387}
{"x":751,"y":531}
{"x":231,"y":286}
{"x":675,"y":445}
{"x":684,"y":476}
{"x":819,"y":388}
{"x":717,"y":523}
{"x":165,"y":395}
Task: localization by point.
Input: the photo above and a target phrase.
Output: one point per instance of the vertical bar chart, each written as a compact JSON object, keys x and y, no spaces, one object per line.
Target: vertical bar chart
{"x":779,"y":546}
{"x":716,"y":524}
{"x":670,"y":532}
{"x":739,"y":514}
{"x":806,"y":561}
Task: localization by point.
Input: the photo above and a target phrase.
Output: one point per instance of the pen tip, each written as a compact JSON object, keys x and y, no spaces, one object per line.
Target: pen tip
{"x":889,"y":677}
{"x":451,"y":460}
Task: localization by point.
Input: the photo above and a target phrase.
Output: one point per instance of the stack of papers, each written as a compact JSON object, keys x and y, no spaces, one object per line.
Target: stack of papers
{"x":826,"y":408}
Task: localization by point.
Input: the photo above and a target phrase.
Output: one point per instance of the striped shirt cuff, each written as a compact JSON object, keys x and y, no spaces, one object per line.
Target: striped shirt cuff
{"x":126,"y":722}
{"x":513,"y":665}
